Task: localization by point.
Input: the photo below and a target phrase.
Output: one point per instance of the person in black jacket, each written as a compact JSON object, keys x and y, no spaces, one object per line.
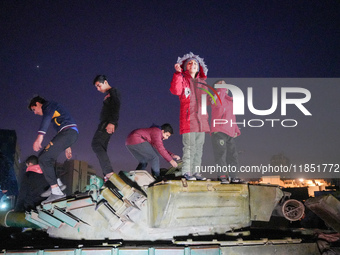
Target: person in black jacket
{"x":33,"y":184}
{"x":108,"y":123}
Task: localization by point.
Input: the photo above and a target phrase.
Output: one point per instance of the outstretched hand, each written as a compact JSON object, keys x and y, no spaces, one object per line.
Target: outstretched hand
{"x":37,"y":143}
{"x":68,"y":153}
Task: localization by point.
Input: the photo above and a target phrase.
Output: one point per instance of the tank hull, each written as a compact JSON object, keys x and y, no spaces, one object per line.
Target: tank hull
{"x":158,"y":212}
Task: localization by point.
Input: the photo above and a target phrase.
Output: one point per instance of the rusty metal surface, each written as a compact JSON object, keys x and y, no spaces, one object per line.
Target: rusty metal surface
{"x":327,"y":208}
{"x":262,"y":200}
{"x":198,"y":203}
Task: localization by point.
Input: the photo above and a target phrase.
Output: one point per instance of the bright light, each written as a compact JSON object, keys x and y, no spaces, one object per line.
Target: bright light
{"x":3,"y":205}
{"x":301,"y":180}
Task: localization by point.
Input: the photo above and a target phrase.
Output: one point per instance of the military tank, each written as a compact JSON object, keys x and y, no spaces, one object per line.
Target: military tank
{"x":133,"y":206}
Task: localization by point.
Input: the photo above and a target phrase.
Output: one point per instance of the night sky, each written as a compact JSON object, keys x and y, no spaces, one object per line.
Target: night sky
{"x":56,"y":48}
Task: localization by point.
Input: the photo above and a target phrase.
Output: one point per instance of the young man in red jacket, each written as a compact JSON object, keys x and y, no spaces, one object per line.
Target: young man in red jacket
{"x":146,"y":144}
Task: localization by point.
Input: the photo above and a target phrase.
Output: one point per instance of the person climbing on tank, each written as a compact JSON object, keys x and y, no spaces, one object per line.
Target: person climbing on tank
{"x":67,"y":135}
{"x":146,"y":144}
{"x":109,"y":117}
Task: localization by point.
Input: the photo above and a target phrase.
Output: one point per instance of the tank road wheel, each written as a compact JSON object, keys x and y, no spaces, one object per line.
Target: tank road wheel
{"x":293,"y":210}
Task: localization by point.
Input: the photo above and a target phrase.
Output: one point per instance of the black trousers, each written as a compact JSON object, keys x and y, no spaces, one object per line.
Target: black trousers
{"x":99,"y":145}
{"x":224,"y":148}
{"x":57,"y":145}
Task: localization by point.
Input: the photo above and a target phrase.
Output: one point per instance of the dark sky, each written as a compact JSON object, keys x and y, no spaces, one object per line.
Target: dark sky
{"x":55,"y":49}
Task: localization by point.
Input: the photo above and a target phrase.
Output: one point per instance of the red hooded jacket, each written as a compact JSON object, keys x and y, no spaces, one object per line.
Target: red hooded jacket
{"x":152,"y":135}
{"x":187,"y":89}
{"x":224,"y":112}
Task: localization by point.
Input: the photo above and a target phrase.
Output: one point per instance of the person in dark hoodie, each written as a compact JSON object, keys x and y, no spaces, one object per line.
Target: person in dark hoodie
{"x":65,"y":125}
{"x":108,"y":123}
{"x":33,"y":184}
{"x":146,"y":144}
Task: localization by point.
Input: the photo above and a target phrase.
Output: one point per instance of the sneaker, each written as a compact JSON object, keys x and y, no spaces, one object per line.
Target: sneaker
{"x":199,"y":177}
{"x":237,"y":180}
{"x":108,"y":176}
{"x":52,"y":198}
{"x":189,"y":177}
{"x":48,"y":192}
{"x":224,"y":179}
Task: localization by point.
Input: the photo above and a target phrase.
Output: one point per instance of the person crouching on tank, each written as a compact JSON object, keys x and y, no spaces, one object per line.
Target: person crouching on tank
{"x":146,"y":144}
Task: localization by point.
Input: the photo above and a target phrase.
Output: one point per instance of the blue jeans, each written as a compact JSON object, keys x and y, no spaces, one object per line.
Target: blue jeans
{"x":49,"y":155}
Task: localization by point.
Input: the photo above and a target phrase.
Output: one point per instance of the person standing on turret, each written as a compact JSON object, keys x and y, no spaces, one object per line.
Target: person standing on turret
{"x":187,"y":81}
{"x":108,"y":123}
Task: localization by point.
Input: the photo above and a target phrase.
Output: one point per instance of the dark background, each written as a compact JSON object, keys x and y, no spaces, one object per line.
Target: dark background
{"x":55,"y":49}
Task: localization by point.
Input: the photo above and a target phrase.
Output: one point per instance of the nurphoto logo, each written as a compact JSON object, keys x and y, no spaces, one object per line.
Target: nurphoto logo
{"x":296,"y":96}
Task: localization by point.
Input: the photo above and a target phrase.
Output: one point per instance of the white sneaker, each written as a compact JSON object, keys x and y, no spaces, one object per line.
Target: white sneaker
{"x":189,"y":177}
{"x":52,"y":198}
{"x":48,"y":192}
{"x":199,"y":177}
{"x":224,"y":179}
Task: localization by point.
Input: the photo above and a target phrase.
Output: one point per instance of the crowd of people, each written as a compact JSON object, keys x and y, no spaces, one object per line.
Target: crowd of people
{"x":145,"y":144}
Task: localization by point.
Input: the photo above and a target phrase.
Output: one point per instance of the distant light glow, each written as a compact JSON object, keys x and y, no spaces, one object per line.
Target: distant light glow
{"x":3,"y":205}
